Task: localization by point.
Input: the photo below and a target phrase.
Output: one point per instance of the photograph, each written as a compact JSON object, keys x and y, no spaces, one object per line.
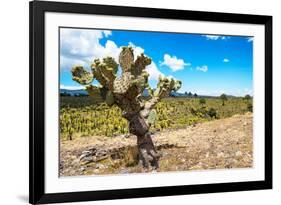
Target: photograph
{"x":131,"y":102}
{"x":137,"y":101}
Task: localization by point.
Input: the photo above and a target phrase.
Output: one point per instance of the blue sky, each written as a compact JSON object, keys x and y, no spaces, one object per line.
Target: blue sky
{"x":206,"y":64}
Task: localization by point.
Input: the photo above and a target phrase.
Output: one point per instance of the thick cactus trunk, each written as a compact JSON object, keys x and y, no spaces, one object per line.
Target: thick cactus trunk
{"x":147,"y":153}
{"x":148,"y":156}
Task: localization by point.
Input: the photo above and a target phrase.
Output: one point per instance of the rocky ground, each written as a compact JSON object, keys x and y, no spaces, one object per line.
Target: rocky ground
{"x":218,"y":144}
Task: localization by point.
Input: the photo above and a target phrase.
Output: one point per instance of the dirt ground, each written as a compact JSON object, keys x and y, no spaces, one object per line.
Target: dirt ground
{"x":218,"y":144}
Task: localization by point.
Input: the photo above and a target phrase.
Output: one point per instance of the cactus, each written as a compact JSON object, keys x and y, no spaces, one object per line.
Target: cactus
{"x":82,"y":76}
{"x":126,"y":92}
{"x":151,"y":117}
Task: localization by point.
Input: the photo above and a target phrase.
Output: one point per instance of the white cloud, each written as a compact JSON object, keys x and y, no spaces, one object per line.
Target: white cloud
{"x":203,"y":68}
{"x":72,"y":87}
{"x":212,"y":37}
{"x":107,"y":33}
{"x":225,"y":37}
{"x":250,"y":39}
{"x":216,"y":37}
{"x":225,"y":60}
{"x":248,"y":91}
{"x":174,"y":63}
{"x":82,"y":42}
{"x":82,"y":47}
{"x":68,"y":63}
{"x":110,"y":49}
{"x":153,"y":71}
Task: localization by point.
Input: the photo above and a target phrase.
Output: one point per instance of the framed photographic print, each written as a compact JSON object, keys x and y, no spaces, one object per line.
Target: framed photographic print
{"x":140,"y":102}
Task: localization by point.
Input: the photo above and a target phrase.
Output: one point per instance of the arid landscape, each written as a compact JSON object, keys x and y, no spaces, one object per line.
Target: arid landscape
{"x":148,"y":101}
{"x":217,"y":144}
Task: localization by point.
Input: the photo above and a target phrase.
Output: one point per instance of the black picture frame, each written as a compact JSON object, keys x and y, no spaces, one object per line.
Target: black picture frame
{"x":37,"y":10}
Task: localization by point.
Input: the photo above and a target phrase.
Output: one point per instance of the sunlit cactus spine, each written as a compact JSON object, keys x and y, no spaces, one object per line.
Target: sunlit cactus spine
{"x":126,"y":92}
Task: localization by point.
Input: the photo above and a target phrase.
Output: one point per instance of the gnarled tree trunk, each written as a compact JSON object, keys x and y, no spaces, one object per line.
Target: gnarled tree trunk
{"x":148,"y":156}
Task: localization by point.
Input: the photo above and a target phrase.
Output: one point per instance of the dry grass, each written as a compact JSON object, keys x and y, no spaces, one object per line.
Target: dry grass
{"x":218,"y":144}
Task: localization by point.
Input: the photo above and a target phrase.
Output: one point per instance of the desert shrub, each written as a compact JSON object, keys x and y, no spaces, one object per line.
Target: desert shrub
{"x":79,"y":116}
{"x":247,"y":97}
{"x":250,"y":107}
{"x":212,"y":113}
{"x":224,"y":98}
{"x":202,"y":101}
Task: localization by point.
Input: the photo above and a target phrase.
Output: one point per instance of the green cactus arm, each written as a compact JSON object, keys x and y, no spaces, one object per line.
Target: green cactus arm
{"x":111,"y":63}
{"x":141,"y":81}
{"x":105,"y":71}
{"x":97,"y":72}
{"x":134,"y":78}
{"x":139,"y":65}
{"x":164,"y":88}
{"x":126,"y":58}
{"x":80,"y":75}
{"x":103,"y":92}
{"x":152,"y":117}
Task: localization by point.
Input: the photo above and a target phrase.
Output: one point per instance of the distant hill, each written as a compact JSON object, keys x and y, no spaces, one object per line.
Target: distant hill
{"x":185,"y":95}
{"x":145,"y":94}
{"x":73,"y":92}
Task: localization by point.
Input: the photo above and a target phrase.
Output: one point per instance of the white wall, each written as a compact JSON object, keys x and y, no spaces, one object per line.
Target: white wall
{"x":14,"y":100}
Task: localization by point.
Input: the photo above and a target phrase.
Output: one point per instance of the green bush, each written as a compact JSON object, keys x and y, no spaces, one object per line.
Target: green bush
{"x":202,"y":101}
{"x":212,"y":113}
{"x":79,"y":116}
{"x":250,"y":107}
